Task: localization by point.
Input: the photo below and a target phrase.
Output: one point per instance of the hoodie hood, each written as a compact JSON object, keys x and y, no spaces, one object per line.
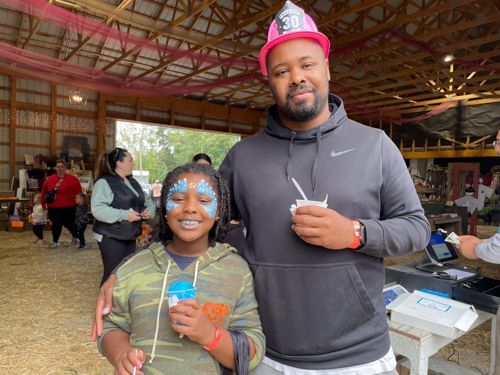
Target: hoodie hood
{"x":276,"y":129}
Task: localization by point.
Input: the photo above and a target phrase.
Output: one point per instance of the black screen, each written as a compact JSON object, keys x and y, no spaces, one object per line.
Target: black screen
{"x":440,"y":250}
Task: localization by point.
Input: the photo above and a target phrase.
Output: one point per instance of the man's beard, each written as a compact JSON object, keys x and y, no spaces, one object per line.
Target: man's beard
{"x":302,"y":111}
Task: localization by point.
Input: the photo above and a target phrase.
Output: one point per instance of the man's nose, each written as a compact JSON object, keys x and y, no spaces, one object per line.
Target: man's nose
{"x":296,"y":77}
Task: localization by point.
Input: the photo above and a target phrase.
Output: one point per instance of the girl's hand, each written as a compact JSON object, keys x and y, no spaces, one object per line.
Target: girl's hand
{"x":129,"y":359}
{"x":194,"y":323}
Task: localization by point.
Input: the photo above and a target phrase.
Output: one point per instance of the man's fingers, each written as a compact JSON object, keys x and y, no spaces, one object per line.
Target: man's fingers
{"x":307,"y":220}
{"x":307,"y":231}
{"x":311,"y":210}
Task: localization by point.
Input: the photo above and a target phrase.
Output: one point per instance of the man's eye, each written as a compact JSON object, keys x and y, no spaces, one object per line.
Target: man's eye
{"x":281,"y":73}
{"x":308,"y":65}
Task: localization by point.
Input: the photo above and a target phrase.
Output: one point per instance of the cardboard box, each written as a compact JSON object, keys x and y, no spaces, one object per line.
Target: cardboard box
{"x":439,"y":315}
{"x":15,"y":226}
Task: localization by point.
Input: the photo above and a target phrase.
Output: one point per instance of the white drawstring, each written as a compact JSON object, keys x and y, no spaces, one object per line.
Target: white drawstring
{"x":196,"y":272}
{"x":159,"y":312}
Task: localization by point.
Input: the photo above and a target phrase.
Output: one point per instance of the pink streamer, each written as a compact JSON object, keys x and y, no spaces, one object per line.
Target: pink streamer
{"x":34,"y":65}
{"x":93,"y":29}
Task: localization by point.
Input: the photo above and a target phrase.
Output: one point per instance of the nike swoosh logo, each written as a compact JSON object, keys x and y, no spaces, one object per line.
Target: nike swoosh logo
{"x":334,"y":154}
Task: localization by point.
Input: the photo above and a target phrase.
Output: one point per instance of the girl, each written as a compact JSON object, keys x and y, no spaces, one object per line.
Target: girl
{"x":221,"y":326}
{"x":38,"y":218}
{"x":81,"y":218}
{"x":118,"y":206}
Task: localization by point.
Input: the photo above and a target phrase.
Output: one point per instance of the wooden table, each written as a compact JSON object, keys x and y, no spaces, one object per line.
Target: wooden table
{"x":450,"y":224}
{"x":418,"y":345}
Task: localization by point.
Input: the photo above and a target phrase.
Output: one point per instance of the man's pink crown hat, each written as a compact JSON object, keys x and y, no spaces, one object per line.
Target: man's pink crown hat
{"x":291,"y":22}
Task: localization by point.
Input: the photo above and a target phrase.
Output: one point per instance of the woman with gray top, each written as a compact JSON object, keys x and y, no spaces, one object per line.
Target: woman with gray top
{"x":118,"y":205}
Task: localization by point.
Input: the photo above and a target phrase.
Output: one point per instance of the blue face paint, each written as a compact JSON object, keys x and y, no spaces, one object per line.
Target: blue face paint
{"x":179,"y":187}
{"x":206,"y":189}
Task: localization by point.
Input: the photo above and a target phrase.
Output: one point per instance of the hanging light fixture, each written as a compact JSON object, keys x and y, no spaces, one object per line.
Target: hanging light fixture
{"x":77,"y":97}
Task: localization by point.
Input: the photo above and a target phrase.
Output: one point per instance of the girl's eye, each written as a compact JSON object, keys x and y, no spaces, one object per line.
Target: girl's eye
{"x":178,"y":199}
{"x":204,"y":200}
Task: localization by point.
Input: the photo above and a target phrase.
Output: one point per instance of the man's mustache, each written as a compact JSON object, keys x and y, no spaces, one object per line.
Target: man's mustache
{"x":293,"y":91}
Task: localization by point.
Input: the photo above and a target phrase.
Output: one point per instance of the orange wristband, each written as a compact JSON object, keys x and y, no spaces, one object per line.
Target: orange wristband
{"x":216,"y":340}
{"x":357,"y":235}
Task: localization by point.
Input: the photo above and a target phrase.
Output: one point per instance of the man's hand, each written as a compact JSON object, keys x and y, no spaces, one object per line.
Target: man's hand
{"x":323,"y":227}
{"x":103,"y":306}
{"x":467,"y":246}
{"x":194,"y":323}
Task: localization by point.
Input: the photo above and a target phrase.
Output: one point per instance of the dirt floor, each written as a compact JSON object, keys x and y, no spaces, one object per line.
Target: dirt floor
{"x":48,"y":295}
{"x":46,"y":303}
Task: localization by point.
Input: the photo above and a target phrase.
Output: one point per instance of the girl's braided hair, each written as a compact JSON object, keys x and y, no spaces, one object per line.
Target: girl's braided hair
{"x":218,"y":231}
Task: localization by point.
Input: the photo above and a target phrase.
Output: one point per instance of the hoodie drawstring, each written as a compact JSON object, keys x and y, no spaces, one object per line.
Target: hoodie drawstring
{"x":164,"y":286}
{"x":196,"y":272}
{"x":290,"y":149}
{"x":316,"y":160}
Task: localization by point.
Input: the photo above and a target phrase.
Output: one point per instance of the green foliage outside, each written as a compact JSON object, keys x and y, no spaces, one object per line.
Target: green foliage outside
{"x":160,"y":149}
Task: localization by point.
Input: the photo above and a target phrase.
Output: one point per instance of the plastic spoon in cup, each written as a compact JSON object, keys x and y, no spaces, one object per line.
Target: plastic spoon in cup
{"x":299,"y":189}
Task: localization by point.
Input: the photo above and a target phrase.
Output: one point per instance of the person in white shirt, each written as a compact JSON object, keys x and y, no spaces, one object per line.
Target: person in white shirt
{"x":488,"y":250}
{"x":38,"y":218}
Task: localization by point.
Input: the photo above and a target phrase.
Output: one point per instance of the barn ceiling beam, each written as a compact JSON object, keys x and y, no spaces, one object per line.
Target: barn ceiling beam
{"x":174,"y":24}
{"x":143,"y":22}
{"x":399,"y":21}
{"x":213,"y":40}
{"x":110,"y":18}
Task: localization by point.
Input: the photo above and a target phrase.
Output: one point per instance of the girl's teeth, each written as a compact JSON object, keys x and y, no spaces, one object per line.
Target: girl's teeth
{"x":189,"y":222}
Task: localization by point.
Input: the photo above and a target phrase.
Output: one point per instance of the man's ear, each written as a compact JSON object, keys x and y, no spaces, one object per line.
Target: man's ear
{"x":327,"y":67}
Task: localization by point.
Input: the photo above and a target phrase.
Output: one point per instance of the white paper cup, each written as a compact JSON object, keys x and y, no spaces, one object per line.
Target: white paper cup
{"x":303,"y":202}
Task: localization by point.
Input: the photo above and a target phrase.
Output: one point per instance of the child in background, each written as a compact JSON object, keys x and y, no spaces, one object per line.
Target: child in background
{"x":221,"y":326}
{"x":81,"y":218}
{"x":38,"y":218}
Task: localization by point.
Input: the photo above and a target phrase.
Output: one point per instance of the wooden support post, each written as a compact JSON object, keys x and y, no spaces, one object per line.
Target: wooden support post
{"x":13,"y":126}
{"x":53,"y":119}
{"x":101,"y":126}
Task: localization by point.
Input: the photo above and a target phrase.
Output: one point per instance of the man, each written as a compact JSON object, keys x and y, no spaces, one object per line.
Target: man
{"x":319,"y":274}
{"x":488,"y":250}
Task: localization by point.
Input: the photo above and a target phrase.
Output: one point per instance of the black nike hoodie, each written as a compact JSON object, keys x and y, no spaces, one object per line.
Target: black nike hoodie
{"x":320,"y":308}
